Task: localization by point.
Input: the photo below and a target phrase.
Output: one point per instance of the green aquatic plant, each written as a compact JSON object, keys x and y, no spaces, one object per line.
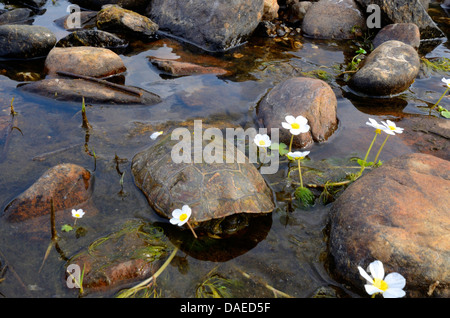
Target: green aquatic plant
{"x":447,"y":83}
{"x":214,"y":286}
{"x":440,"y":65}
{"x":303,"y":194}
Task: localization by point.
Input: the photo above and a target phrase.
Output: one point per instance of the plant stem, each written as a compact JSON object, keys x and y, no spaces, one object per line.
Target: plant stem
{"x":367,"y":153}
{"x":379,"y":151}
{"x":290,"y":145}
{"x":193,"y":232}
{"x":439,"y":99}
{"x":300,"y":173}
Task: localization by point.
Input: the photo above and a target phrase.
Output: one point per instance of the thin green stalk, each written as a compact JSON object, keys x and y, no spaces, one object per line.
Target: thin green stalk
{"x":367,"y":153}
{"x":442,"y":96}
{"x":379,"y":151}
{"x":300,"y":173}
{"x":290,"y":145}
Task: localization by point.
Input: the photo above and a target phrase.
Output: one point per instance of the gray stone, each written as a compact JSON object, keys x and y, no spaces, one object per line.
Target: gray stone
{"x":389,"y":69}
{"x":407,"y":33}
{"x":217,"y":25}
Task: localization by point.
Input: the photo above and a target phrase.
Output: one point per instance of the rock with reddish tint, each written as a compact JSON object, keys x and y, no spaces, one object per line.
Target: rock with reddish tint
{"x":399,"y":214}
{"x":388,"y":70}
{"x":300,"y":96}
{"x":177,"y":68}
{"x":84,"y":60}
{"x":131,"y":254}
{"x":271,"y":8}
{"x":333,"y":19}
{"x":407,"y":33}
{"x":214,"y":26}
{"x":69,"y":186}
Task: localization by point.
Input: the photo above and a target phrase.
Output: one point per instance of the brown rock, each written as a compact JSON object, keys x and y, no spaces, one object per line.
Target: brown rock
{"x":309,"y":97}
{"x":69,"y":185}
{"x":271,"y":8}
{"x":398,"y":214}
{"x":177,"y":68}
{"x":89,"y":61}
{"x":407,"y":33}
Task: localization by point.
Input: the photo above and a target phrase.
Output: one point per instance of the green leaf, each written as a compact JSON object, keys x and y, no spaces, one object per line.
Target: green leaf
{"x":305,"y":196}
{"x":445,"y":114}
{"x":66,"y":228}
{"x":281,"y":147}
{"x":362,"y":163}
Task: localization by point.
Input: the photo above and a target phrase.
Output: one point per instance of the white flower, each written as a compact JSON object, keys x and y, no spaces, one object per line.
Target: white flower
{"x":262,"y":140}
{"x":391,"y":128}
{"x":390,"y":286}
{"x":156,"y":135}
{"x":446,"y":81}
{"x":77,"y":213}
{"x":296,"y":125}
{"x":378,"y":127}
{"x":297,"y":155}
{"x":180,"y":217}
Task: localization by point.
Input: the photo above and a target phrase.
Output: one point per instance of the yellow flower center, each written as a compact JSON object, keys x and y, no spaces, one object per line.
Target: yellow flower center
{"x":183,"y":217}
{"x":391,"y":127}
{"x":380,"y":284}
{"x":262,"y":143}
{"x":378,"y":131}
{"x":295,"y":126}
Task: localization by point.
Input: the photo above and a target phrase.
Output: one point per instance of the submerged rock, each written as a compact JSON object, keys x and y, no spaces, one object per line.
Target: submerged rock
{"x":407,"y":33}
{"x":25,"y":41}
{"x":69,"y":185}
{"x":309,"y":97}
{"x":389,"y":69}
{"x":406,"y":11}
{"x":94,"y":38}
{"x":398,"y":214}
{"x":211,"y":25}
{"x":116,"y":19}
{"x":132,"y":253}
{"x":333,"y":19}
{"x":177,"y":68}
{"x":17,"y":16}
{"x":72,"y":90}
{"x":89,"y":61}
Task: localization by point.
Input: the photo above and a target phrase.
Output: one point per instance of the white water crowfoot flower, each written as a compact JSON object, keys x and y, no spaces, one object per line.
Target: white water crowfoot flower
{"x":446,"y":81}
{"x":181,"y":217}
{"x":378,"y":127}
{"x":390,"y":286}
{"x":77,"y":214}
{"x":262,"y":140}
{"x":296,"y":155}
{"x":391,"y":128}
{"x":156,"y":135}
{"x":296,"y":125}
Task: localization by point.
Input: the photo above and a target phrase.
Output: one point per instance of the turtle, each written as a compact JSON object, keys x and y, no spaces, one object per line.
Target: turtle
{"x":223,"y":196}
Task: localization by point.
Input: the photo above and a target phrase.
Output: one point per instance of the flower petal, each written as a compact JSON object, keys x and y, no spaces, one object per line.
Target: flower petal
{"x":394,"y":293}
{"x":370,"y":289}
{"x":395,"y":280}
{"x":286,"y":125}
{"x":301,"y":120}
{"x":186,"y":209}
{"x":290,"y":119}
{"x":176,"y":213}
{"x":376,"y":269}
{"x":304,"y":128}
{"x":295,"y":131}
{"x":364,"y":274}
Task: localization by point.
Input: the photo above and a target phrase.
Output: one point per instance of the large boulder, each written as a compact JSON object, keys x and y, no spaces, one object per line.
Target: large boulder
{"x":211,"y":25}
{"x":135,"y":5}
{"x":389,"y":69}
{"x":81,"y":60}
{"x":333,"y":19}
{"x":309,"y":97}
{"x":407,"y":33}
{"x":25,"y":41}
{"x":406,"y":11}
{"x":398,"y":214}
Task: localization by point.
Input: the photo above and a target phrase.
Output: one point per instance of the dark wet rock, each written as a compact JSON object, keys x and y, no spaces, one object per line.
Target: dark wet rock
{"x":84,"y":60}
{"x":211,"y":25}
{"x":399,"y":214}
{"x":222,"y":195}
{"x":406,"y":11}
{"x":69,"y":185}
{"x":118,"y":20}
{"x":177,"y":68}
{"x":131,"y":254}
{"x":25,"y":41}
{"x":17,"y":16}
{"x":427,"y":134}
{"x":311,"y":98}
{"x":297,"y":9}
{"x":72,"y":90}
{"x":88,"y":20}
{"x":333,"y":19}
{"x":135,"y":5}
{"x":407,"y":33}
{"x":389,"y":69}
{"x":94,"y":38}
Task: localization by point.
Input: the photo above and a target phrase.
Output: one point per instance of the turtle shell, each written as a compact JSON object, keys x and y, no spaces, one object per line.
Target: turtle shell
{"x":212,"y":190}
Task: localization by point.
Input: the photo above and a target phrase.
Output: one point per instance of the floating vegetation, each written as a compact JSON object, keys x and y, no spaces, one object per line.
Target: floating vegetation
{"x":440,"y":65}
{"x":215,"y":286}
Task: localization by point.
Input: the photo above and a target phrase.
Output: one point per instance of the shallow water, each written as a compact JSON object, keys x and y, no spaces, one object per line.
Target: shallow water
{"x":288,"y":251}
